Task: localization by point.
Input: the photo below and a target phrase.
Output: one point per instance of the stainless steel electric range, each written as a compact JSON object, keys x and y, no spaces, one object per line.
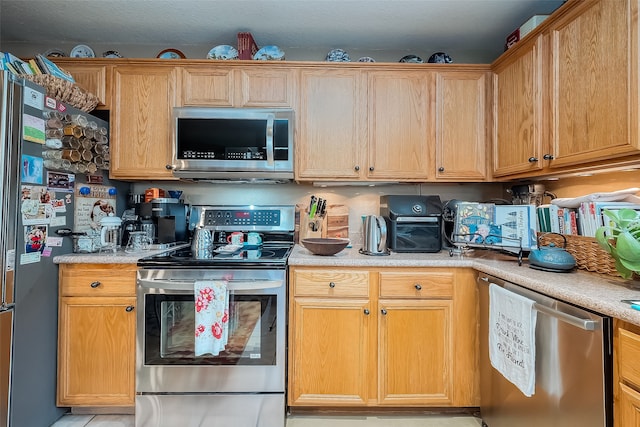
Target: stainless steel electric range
{"x":244,"y":384}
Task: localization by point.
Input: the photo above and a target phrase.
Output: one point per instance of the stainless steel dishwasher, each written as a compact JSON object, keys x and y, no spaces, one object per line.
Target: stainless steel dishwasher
{"x":573,"y":367}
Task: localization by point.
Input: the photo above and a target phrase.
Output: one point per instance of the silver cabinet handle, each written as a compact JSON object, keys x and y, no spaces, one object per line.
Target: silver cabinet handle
{"x":357,"y":168}
{"x":95,"y":284}
{"x":366,"y":311}
{"x":532,"y":159}
{"x":332,"y":285}
{"x":418,"y":286}
{"x":548,"y":157}
{"x":129,"y":308}
{"x":383,"y":311}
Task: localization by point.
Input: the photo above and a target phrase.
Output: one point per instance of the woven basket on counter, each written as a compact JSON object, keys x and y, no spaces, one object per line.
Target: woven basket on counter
{"x":586,"y":250}
{"x":66,"y":92}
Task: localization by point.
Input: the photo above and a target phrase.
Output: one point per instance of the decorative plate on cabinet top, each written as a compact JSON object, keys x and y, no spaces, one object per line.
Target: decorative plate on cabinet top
{"x":366,"y":59}
{"x":338,"y":55}
{"x":55,"y":53}
{"x":440,"y":58}
{"x":269,"y":53}
{"x":414,"y":59}
{"x":82,"y":51}
{"x":223,"y":51}
{"x":111,"y":54}
{"x":170,"y":54}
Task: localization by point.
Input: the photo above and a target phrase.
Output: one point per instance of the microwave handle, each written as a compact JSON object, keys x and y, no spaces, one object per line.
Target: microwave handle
{"x":270,"y":121}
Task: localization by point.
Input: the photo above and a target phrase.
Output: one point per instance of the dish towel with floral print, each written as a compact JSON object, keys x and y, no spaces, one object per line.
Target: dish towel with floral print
{"x":211,"y":315}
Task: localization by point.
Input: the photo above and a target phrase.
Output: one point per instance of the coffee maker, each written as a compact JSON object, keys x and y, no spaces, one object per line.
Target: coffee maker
{"x":169,"y":218}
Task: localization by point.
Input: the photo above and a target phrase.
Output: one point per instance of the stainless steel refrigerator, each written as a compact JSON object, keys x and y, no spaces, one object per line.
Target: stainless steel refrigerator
{"x":29,"y":306}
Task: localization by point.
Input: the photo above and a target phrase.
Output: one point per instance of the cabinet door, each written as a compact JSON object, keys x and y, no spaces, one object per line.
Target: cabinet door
{"x":629,"y":407}
{"x":96,"y":351}
{"x":265,"y":87}
{"x":207,"y":86}
{"x":461,"y":126}
{"x":517,"y":100}
{"x":92,"y":77}
{"x":415,"y":351}
{"x":595,"y":83}
{"x":330,"y":136}
{"x":328,"y":352}
{"x":141,"y":132}
{"x":398,"y":123}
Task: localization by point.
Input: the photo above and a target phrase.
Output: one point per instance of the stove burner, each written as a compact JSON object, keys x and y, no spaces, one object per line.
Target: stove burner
{"x":268,"y":255}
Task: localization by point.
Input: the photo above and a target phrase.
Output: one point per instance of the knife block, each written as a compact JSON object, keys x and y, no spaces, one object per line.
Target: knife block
{"x":316,"y":227}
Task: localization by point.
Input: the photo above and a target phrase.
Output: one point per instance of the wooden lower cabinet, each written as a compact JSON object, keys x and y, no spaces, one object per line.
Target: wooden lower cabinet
{"x":386,"y":337}
{"x":626,"y":375}
{"x":96,"y":335}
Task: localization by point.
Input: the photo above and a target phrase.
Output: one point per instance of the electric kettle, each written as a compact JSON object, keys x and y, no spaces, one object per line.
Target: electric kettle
{"x":374,"y":236}
{"x":110,"y":233}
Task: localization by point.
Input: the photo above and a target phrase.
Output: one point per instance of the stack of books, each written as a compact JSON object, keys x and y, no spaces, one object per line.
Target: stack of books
{"x":488,"y":224}
{"x":583,"y":220}
{"x":32,"y":67}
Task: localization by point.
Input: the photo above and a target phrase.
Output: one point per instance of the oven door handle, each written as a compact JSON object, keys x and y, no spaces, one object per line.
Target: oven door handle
{"x":232,"y":285}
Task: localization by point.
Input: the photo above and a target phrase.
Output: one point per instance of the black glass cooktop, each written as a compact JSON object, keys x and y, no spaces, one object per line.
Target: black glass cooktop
{"x":270,"y":255}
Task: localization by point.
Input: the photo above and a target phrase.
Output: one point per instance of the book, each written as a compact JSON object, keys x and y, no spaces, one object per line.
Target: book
{"x":49,"y":67}
{"x":470,"y":216}
{"x":247,"y":46}
{"x":35,"y":67}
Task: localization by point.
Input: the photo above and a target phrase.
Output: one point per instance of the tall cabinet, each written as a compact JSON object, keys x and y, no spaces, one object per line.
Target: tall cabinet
{"x":143,"y":98}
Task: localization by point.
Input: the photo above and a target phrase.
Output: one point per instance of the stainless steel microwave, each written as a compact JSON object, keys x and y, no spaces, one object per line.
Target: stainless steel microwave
{"x":233,"y":143}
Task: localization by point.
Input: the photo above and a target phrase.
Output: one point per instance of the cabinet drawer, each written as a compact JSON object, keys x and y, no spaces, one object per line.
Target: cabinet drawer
{"x":629,"y":348}
{"x":97,"y":280}
{"x":416,"y":285}
{"x":331,"y":283}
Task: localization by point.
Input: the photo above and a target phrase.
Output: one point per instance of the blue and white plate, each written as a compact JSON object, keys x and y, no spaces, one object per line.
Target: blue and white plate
{"x":223,"y":51}
{"x":170,"y":54}
{"x":269,"y":53}
{"x":82,"y":51}
{"x":338,"y":55}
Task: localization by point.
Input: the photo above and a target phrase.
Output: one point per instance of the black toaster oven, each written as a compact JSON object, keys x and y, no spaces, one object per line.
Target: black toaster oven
{"x":414,"y":223}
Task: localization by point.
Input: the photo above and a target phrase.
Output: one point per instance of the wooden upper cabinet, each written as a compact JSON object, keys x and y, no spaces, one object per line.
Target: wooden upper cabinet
{"x":232,"y":86}
{"x":398,"y":124}
{"x":206,"y":86}
{"x":594,"y":82}
{"x":461,"y":130}
{"x":518,"y":110}
{"x":331,"y":139}
{"x":90,"y":75}
{"x":141,"y":131}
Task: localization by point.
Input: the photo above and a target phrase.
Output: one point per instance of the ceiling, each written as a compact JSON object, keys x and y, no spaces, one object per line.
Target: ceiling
{"x":468,"y":30}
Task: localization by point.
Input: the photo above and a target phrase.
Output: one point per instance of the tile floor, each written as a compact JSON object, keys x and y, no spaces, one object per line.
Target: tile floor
{"x":297,"y":421}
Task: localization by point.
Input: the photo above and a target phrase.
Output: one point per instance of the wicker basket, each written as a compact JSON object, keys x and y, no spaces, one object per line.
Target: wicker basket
{"x":67,"y":92}
{"x":586,"y":250}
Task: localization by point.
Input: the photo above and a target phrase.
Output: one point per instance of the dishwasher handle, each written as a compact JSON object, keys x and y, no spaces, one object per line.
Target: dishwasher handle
{"x":585,"y":324}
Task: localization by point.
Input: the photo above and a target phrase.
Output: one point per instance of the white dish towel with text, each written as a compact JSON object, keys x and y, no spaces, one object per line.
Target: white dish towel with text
{"x":512,"y":337}
{"x":211,"y":315}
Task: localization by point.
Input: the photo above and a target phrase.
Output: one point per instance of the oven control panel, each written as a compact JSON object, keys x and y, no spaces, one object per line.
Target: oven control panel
{"x":216,"y":217}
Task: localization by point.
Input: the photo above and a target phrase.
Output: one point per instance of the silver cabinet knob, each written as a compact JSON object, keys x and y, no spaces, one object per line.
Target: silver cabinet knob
{"x":383,"y":311}
{"x":129,"y":308}
{"x":332,"y":285}
{"x":95,"y":284}
{"x":357,"y":168}
{"x":418,"y":286}
{"x":548,"y":157}
{"x":371,"y":168}
{"x":366,"y":311}
{"x":441,"y":169}
{"x":533,"y":159}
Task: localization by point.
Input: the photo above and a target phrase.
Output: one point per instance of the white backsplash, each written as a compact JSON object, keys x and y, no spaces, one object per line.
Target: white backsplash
{"x":361,"y":200}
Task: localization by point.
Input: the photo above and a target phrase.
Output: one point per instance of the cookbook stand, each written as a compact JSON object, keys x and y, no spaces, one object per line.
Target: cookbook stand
{"x":463,"y":244}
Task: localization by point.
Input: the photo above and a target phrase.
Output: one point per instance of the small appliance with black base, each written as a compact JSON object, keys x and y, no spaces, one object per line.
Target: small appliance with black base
{"x":414,"y":223}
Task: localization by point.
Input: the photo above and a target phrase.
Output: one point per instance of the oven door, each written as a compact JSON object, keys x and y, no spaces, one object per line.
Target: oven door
{"x":253,"y":359}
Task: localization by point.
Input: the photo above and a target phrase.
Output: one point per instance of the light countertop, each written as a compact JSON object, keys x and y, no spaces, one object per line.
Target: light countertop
{"x":596,"y":292}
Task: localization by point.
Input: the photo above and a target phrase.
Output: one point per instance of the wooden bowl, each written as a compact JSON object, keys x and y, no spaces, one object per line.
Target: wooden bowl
{"x":324,"y":246}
